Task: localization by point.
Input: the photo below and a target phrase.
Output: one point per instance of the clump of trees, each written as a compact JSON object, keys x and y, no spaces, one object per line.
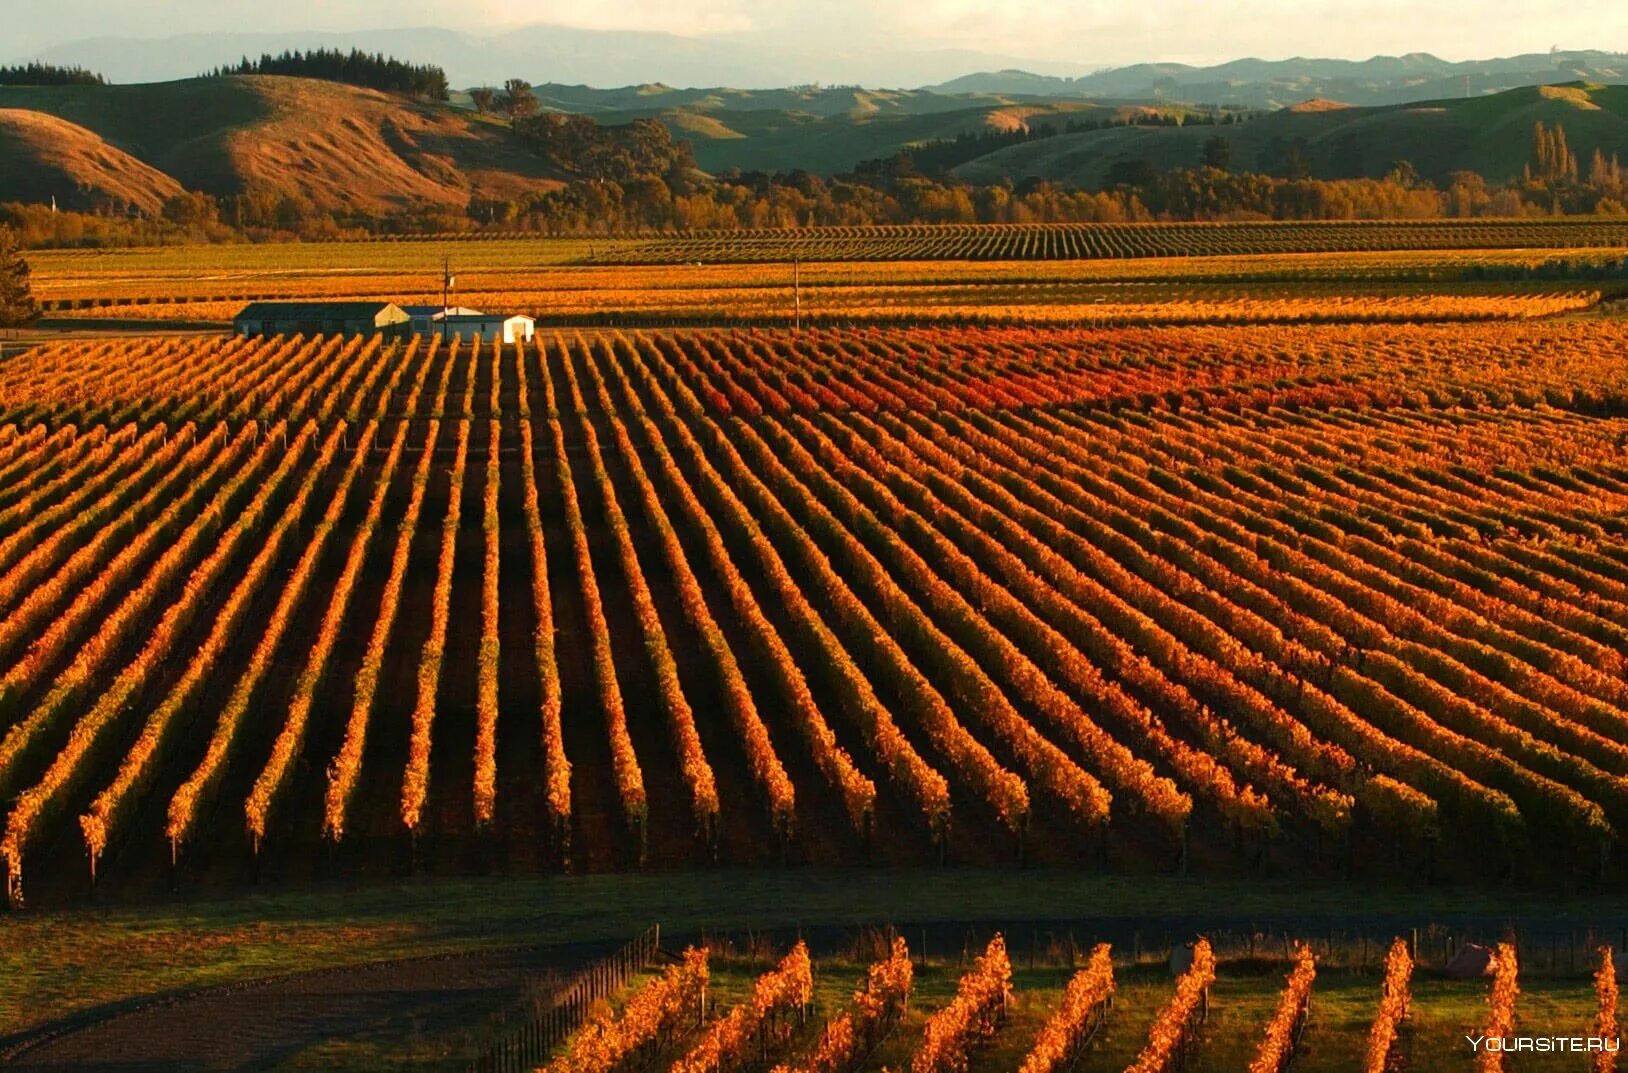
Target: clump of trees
{"x":580,"y":145}
{"x":516,"y":100}
{"x":353,"y":68}
{"x":17,"y":305}
{"x":49,"y":74}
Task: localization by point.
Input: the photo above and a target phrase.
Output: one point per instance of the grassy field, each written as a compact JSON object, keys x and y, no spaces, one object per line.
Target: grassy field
{"x":54,"y":963}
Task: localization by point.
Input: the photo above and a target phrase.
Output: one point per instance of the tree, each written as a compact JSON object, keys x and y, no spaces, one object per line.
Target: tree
{"x":1403,"y":172}
{"x":356,"y":68}
{"x":1298,"y":164}
{"x":519,"y":102}
{"x":1552,"y":158}
{"x":1137,"y":173}
{"x":190,"y":209}
{"x":483,"y":98}
{"x":17,"y":305}
{"x":1217,"y":152}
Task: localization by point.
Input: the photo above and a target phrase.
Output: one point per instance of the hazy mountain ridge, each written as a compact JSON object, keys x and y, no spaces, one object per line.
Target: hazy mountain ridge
{"x":546,"y":53}
{"x":1257,"y":83}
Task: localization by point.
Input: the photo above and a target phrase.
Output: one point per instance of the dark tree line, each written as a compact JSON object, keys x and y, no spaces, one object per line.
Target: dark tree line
{"x":17,"y":305}
{"x":353,"y":68}
{"x":49,"y":74}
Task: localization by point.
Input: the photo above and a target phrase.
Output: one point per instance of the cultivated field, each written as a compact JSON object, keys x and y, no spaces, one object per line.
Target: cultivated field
{"x":569,"y":281}
{"x":1305,"y":599}
{"x":1042,"y":242}
{"x":1151,"y":595}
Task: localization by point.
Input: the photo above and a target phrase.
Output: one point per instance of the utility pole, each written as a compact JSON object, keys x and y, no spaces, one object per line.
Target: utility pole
{"x":447,"y":282}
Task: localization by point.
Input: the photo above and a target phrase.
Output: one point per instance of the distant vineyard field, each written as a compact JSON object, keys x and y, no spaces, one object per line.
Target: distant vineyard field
{"x":1289,"y":598}
{"x":168,"y":286}
{"x":1040,"y":242}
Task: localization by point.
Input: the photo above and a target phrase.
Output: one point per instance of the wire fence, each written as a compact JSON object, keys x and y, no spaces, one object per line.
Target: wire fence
{"x":527,"y":1046}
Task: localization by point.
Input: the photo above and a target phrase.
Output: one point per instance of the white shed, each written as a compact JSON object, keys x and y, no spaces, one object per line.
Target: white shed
{"x":489,"y":327}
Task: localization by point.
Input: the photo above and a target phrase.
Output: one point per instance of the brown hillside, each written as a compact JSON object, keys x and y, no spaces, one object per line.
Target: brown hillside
{"x":1318,"y":104}
{"x":42,"y":157}
{"x":346,"y":147}
{"x":340,"y":146}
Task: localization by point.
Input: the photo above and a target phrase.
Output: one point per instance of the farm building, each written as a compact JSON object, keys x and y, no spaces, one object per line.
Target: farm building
{"x":487,"y":327}
{"x":424,"y":318}
{"x":320,"y":318}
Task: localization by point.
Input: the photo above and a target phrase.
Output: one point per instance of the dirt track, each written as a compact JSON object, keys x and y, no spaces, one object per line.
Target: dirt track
{"x":425,"y":1005}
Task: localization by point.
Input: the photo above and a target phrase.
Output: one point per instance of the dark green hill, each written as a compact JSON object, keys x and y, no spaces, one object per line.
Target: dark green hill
{"x":823,"y":128}
{"x":1490,"y":135}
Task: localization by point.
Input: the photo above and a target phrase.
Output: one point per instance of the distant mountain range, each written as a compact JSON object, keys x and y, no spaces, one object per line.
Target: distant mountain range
{"x":605,"y":58}
{"x":1268,"y":84}
{"x":545,"y":53}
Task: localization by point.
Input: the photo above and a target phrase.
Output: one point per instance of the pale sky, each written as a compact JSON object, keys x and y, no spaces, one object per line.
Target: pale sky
{"x":1089,"y":32}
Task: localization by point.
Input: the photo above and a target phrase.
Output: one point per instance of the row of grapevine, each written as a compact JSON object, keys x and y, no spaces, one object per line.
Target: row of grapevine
{"x":854,"y":1033}
{"x":1289,"y":1019}
{"x":970,"y":1018}
{"x":1606,"y":1028}
{"x":1084,"y":1006}
{"x":1500,"y":1025}
{"x":1395,"y":1000}
{"x":416,"y":779}
{"x":748,"y":1029}
{"x":655,"y":1013}
{"x":1174,"y":1032}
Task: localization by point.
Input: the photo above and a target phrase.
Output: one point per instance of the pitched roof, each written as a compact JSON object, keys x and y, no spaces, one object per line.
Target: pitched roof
{"x":435,"y":311}
{"x":314,"y":310}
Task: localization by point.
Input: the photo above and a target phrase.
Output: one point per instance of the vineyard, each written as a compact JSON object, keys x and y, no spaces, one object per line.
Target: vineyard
{"x":1041,"y":242}
{"x":994,"y":1006}
{"x":545,"y":278}
{"x":1240,"y":600}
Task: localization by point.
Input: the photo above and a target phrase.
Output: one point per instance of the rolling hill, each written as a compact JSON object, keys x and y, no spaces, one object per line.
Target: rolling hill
{"x":344,"y":147}
{"x":819,"y":128}
{"x":1491,"y":135}
{"x":42,"y":156}
{"x":347,"y":148}
{"x":1272,"y":84}
{"x":340,"y":146}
